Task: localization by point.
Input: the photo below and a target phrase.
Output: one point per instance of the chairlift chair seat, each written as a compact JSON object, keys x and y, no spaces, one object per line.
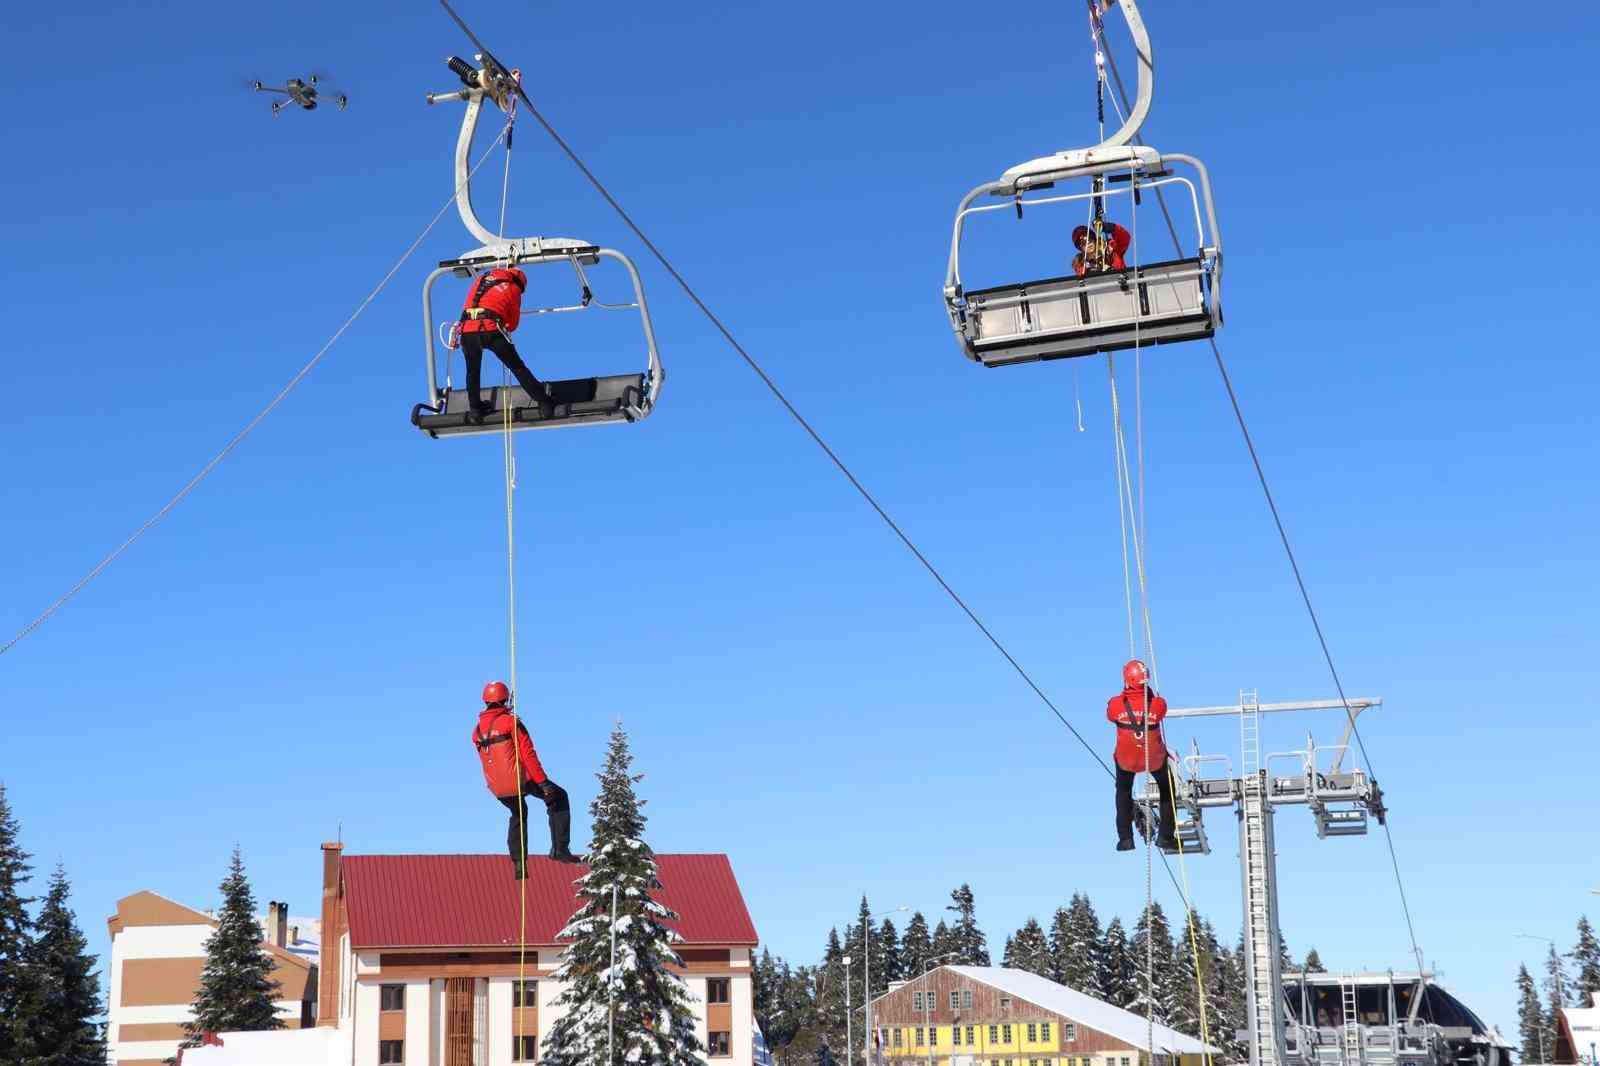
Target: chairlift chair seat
{"x":1066,"y":317}
{"x":579,"y":402}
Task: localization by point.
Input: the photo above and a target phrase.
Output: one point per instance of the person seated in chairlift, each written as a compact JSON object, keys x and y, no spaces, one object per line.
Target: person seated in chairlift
{"x":488,"y":318}
{"x":511,"y":770}
{"x":1137,"y":713}
{"x":1102,"y":252}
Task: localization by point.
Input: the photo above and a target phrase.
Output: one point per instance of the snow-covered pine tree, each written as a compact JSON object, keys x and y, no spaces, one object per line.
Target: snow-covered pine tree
{"x":891,"y":967}
{"x":646,"y":1004}
{"x":1118,"y":975}
{"x":15,"y":929}
{"x":1151,"y":953}
{"x":916,"y":947}
{"x":967,"y":940}
{"x":59,"y":1021}
{"x":944,"y":948}
{"x":1076,"y":945}
{"x":1029,"y":949}
{"x":879,"y":948}
{"x":1530,"y":1018}
{"x":1314,"y":962}
{"x":1557,"y":987}
{"x":1585,"y":956}
{"x":829,"y":996}
{"x":1225,"y":991}
{"x":236,"y":985}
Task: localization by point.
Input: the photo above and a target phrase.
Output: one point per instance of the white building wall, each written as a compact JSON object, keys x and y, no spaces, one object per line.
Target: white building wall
{"x":549,"y":1013}
{"x":697,"y":1003}
{"x":436,"y":1021}
{"x":419,"y":1023}
{"x":741,"y":1041}
{"x":365,"y":1030}
{"x":500,"y":999}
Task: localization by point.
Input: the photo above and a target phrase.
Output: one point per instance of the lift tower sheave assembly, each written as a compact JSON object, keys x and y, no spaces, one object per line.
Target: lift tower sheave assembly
{"x":1341,"y":803}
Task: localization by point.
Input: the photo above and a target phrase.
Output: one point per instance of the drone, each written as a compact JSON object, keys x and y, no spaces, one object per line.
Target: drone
{"x":299,"y":91}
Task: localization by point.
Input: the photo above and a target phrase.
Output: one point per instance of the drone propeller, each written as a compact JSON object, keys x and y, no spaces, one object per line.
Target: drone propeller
{"x":501,"y":70}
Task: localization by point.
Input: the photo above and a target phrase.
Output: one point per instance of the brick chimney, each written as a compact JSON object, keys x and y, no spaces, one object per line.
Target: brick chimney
{"x":329,"y":979}
{"x":277,"y":923}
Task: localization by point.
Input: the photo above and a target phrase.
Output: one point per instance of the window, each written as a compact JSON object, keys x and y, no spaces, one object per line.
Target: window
{"x":897,"y":1038}
{"x":1005,"y":1002}
{"x":919,"y":1036}
{"x":1069,"y":1033}
{"x":994,"y":1034}
{"x":392,"y":997}
{"x":1005,"y":1034}
{"x":1033,"y":1037}
{"x":525,"y":1048}
{"x":955,"y":1000}
{"x":955,"y":1035}
{"x":716,"y":990}
{"x":966,"y":999}
{"x":525,"y":993}
{"x":1125,"y":1061}
{"x":391,"y":1051}
{"x":969,"y":1036}
{"x":916,"y":1001}
{"x":717,"y":1045}
{"x":1044,"y":1032}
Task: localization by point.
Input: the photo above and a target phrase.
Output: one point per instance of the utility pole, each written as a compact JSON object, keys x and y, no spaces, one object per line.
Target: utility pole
{"x":848,"y":1039}
{"x":866,"y":985}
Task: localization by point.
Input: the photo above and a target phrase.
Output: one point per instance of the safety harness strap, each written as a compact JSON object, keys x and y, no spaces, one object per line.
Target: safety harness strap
{"x":493,"y":739}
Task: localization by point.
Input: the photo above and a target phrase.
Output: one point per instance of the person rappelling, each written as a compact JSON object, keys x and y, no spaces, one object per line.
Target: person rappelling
{"x":488,"y":318}
{"x":512,"y":771}
{"x":1137,"y":712}
{"x":1102,"y":249}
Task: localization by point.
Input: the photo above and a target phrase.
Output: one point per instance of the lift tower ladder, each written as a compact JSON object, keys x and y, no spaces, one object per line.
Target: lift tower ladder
{"x":1258,"y":862}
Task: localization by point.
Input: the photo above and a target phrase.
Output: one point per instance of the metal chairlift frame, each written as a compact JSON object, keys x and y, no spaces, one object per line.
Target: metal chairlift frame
{"x":1062,"y":317}
{"x":582,"y":401}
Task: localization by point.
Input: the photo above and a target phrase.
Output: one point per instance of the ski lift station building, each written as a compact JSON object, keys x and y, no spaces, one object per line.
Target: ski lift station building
{"x":423,"y":963}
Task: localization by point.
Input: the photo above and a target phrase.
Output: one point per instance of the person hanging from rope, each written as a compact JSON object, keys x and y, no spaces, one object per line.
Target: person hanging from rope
{"x":488,"y":318}
{"x":1102,"y":248}
{"x":1137,"y":712}
{"x":511,"y":770}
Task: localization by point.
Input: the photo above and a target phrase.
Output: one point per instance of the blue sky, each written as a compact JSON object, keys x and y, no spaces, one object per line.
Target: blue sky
{"x":297,"y":650}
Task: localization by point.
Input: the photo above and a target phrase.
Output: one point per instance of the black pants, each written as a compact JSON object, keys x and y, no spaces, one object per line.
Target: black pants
{"x":1125,"y":778}
{"x":557,"y":808}
{"x":472,"y":349}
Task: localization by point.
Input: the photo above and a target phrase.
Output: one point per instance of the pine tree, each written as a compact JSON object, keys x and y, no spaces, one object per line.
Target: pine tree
{"x":59,"y":1021}
{"x":967,"y":940}
{"x":1076,"y":945}
{"x":1151,"y":952}
{"x":1314,"y":962}
{"x":15,"y":929}
{"x":829,"y":996}
{"x":892,"y":966}
{"x":236,"y":985}
{"x":880,"y":948}
{"x":1029,"y":950}
{"x":646,"y":1005}
{"x":1586,"y":956}
{"x":916,"y":947}
{"x":1118,"y":976}
{"x":1530,"y":1018}
{"x":944,"y":949}
{"x":1556,"y":987}
{"x":1225,"y":991}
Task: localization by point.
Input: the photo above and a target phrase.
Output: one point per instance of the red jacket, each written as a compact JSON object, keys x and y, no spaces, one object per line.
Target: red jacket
{"x":500,"y":292}
{"x":1118,"y":239}
{"x":493,"y":738}
{"x":1126,"y":711}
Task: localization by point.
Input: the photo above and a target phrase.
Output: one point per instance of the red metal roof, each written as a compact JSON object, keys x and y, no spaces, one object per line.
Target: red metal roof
{"x":415,"y":901}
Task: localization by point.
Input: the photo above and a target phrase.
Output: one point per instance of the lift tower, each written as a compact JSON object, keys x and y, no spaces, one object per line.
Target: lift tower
{"x":1341,"y":802}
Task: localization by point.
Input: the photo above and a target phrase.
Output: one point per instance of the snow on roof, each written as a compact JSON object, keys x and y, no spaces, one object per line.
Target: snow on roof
{"x":1095,"y":1013}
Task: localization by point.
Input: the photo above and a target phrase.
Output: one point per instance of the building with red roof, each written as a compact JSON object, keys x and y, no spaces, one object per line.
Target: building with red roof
{"x":428,"y":960}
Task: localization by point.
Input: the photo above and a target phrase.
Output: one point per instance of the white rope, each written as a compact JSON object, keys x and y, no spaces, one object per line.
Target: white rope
{"x":238,"y":438}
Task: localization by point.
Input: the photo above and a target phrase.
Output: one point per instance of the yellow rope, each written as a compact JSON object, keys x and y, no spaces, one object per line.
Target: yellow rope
{"x":516,"y":726}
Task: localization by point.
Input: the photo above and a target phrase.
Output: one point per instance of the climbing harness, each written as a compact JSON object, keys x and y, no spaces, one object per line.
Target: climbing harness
{"x":447,"y":411}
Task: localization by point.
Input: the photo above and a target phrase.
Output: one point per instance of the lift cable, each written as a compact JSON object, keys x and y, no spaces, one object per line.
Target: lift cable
{"x":1294,"y":564}
{"x":238,"y":438}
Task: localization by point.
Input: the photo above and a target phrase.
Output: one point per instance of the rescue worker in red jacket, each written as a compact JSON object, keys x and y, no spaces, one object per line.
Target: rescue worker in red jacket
{"x":1137,"y":712}
{"x":1100,"y":255}
{"x":511,"y":770}
{"x":488,"y":318}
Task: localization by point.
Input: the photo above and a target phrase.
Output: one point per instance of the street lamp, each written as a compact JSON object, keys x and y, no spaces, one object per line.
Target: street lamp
{"x":866,"y":984}
{"x":848,"y":1039}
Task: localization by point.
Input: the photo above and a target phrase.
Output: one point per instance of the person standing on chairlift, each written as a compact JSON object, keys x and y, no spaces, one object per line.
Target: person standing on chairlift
{"x":511,"y":770}
{"x":1137,"y":713}
{"x":488,"y":318}
{"x":1101,"y":250}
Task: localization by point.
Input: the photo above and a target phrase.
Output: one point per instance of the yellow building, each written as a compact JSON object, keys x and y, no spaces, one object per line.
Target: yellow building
{"x":994,"y":1016}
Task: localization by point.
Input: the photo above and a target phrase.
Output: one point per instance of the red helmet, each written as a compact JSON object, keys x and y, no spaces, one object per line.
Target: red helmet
{"x":1134,"y":673}
{"x":496,"y":692}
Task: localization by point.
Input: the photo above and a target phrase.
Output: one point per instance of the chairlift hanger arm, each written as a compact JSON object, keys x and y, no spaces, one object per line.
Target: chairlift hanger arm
{"x":1146,"y":60}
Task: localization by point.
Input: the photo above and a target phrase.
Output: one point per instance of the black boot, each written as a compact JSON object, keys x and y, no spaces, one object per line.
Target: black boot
{"x":1125,"y":843}
{"x":518,"y":870}
{"x":561,"y":835}
{"x":1166,"y":840}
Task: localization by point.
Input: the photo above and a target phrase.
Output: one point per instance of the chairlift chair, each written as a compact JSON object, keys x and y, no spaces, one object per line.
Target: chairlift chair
{"x":579,"y":402}
{"x":1160,"y":302}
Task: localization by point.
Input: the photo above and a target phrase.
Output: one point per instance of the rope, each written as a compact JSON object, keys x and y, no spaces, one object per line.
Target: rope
{"x":238,"y":438}
{"x":1294,"y":565}
{"x":509,"y":450}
